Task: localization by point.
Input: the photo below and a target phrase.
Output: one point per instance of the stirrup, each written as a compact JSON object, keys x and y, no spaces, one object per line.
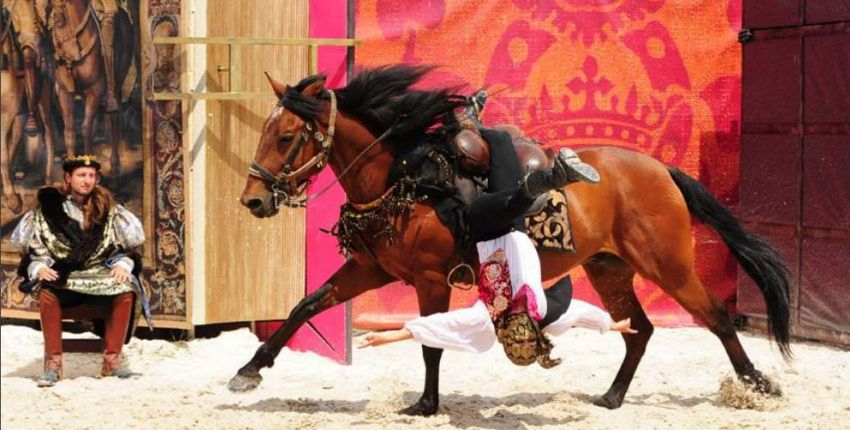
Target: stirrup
{"x":576,"y":170}
{"x":538,"y":205}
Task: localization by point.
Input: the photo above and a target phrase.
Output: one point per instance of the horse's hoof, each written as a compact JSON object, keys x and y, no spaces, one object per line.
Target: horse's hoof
{"x":420,"y":409}
{"x":244,"y":382}
{"x":762,"y":384}
{"x":609,"y":401}
{"x":15,"y":203}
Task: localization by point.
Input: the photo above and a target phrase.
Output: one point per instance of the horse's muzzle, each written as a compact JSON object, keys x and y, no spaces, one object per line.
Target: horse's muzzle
{"x":261,"y":206}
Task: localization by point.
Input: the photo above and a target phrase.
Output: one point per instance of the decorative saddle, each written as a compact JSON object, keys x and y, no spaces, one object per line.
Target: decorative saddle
{"x":473,"y":155}
{"x":547,"y":221}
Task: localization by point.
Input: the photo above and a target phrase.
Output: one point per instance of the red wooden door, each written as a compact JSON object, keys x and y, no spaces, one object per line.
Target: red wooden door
{"x":795,"y":154}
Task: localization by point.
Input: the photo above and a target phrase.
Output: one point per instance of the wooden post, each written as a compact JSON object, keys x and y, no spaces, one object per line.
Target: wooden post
{"x":314,"y":59}
{"x":235,"y":58}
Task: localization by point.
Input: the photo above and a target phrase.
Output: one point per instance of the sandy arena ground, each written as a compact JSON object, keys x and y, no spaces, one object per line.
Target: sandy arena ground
{"x":683,"y":382}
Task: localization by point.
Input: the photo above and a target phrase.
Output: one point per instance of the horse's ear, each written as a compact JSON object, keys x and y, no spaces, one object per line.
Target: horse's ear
{"x":314,"y":88}
{"x":279,"y":89}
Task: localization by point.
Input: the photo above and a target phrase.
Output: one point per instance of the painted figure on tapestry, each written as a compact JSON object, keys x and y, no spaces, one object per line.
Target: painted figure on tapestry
{"x":69,"y":66}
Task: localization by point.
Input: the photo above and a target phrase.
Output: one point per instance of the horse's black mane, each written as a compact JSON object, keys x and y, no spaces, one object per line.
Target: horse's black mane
{"x":381,"y":98}
{"x":308,"y":108}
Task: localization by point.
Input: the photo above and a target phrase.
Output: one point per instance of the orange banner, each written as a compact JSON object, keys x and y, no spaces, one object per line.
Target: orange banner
{"x":661,"y":77}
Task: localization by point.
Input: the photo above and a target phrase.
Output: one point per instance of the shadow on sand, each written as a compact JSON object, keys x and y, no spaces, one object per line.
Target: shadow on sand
{"x":463,"y":411}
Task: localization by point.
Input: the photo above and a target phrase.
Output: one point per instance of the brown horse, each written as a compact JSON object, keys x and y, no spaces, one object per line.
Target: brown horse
{"x":636,"y":220}
{"x":81,"y":70}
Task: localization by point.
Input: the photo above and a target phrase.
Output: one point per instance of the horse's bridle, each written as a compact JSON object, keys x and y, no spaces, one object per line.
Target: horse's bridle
{"x":286,"y":186}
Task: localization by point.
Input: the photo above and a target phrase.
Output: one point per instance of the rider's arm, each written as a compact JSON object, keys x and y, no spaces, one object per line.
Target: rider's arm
{"x":468,"y":329}
{"x":581,"y":314}
{"x":384,"y":337}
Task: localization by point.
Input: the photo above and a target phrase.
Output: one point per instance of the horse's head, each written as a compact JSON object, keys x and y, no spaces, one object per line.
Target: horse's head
{"x":294,"y":147}
{"x":61,"y":16}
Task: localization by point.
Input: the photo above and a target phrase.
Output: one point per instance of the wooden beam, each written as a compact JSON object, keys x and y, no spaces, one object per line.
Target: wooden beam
{"x":234,"y":68}
{"x":214,"y":96}
{"x":254,"y":41}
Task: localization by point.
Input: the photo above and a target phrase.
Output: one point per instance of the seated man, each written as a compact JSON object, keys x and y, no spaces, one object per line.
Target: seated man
{"x":78,"y":248}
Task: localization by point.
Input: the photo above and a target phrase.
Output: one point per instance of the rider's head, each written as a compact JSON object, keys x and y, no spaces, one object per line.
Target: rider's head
{"x":523,"y":341}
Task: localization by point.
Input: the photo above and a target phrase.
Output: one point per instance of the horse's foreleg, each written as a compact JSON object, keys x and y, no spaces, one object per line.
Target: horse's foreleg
{"x":92,"y":100}
{"x":352,"y":279}
{"x":433,"y":295}
{"x":49,"y":138}
{"x":13,"y":199}
{"x":10,"y":102}
{"x":16,"y":131}
{"x":612,"y":278}
{"x":112,"y":124}
{"x":66,"y":105}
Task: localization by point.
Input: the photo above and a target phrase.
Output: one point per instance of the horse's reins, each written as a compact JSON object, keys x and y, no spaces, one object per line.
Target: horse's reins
{"x":277,"y":182}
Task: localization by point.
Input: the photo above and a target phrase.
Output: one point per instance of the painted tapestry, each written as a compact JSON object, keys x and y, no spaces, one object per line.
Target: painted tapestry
{"x":76,"y":78}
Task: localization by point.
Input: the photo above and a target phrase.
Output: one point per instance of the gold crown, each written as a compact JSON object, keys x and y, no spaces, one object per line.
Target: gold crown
{"x":86,"y":159}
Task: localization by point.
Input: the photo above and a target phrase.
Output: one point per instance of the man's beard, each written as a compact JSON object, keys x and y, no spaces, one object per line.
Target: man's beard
{"x":82,"y":195}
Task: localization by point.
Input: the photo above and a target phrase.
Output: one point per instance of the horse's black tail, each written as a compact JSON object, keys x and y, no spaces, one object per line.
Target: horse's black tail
{"x":761,"y":262}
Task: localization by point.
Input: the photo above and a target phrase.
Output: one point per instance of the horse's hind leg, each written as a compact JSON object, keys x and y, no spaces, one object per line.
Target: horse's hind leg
{"x":668,"y":261}
{"x":352,"y":279}
{"x":692,"y":295}
{"x":613,"y":278}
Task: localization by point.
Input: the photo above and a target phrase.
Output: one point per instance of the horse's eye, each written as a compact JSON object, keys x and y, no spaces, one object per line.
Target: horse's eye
{"x":286,"y":138}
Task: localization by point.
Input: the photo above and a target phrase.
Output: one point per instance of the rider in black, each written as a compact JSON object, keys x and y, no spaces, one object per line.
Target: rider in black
{"x":510,"y":194}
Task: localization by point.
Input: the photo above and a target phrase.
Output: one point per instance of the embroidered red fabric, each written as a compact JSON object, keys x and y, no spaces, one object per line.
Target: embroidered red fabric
{"x":494,"y":288}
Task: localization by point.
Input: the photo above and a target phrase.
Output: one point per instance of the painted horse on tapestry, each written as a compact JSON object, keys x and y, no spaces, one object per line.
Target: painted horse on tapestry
{"x":637,"y":220}
{"x":78,"y":42}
